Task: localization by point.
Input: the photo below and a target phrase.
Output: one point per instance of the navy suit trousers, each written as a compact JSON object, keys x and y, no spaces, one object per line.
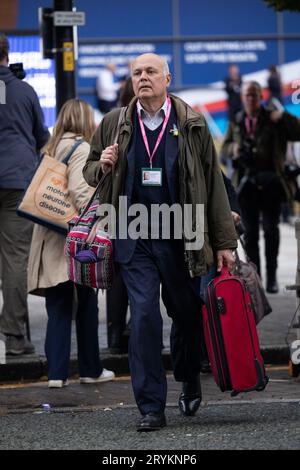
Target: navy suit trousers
{"x":156,"y":262}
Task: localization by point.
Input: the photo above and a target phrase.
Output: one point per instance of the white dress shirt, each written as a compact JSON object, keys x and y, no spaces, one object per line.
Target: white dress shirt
{"x":153,"y":122}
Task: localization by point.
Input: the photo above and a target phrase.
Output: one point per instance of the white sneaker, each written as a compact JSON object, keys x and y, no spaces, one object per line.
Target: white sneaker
{"x":104,"y":377}
{"x":57,"y":383}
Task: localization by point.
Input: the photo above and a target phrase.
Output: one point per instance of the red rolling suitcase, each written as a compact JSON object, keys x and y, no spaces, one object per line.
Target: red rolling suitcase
{"x":231,"y":336}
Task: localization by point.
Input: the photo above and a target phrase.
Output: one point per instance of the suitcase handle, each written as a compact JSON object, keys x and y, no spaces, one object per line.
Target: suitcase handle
{"x":225,"y":272}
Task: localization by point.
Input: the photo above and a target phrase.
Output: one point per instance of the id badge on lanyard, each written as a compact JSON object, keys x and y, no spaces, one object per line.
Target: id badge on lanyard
{"x":153,"y":176}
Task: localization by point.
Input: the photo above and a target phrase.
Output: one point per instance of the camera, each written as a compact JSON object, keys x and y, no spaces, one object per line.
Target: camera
{"x":291,"y":171}
{"x":245,"y":157}
{"x":17,"y":70}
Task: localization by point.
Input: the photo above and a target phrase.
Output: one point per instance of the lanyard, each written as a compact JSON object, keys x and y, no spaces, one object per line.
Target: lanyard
{"x":160,"y":134}
{"x":251,"y":125}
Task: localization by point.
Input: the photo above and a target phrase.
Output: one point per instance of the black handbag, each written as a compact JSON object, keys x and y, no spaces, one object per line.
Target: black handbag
{"x":248,"y":272}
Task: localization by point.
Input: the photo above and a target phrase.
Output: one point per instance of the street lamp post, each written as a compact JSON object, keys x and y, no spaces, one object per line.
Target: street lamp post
{"x":64,"y":57}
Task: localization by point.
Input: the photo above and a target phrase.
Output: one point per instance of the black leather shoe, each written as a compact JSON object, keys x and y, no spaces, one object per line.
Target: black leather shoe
{"x":190,"y":398}
{"x":152,"y":422}
{"x":272,"y":287}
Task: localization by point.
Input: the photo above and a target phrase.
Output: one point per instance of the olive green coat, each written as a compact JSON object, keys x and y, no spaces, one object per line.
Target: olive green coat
{"x":200,"y":177}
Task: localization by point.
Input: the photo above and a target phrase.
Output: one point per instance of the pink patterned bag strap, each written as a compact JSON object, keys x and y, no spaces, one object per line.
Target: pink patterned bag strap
{"x":103,"y":177}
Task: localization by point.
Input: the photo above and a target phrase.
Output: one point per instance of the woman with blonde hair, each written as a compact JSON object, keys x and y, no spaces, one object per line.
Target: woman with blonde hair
{"x":47,"y":275}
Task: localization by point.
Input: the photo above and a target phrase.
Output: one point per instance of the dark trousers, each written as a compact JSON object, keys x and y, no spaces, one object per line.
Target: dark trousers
{"x":116,"y":309}
{"x":15,"y":238}
{"x":155,"y":262}
{"x":253,"y":203}
{"x":60,"y":304}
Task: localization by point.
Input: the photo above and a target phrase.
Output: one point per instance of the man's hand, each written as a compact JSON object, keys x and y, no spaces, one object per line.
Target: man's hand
{"x":276,"y":115}
{"x":225,"y":258}
{"x":236,"y":217}
{"x":236,"y":149}
{"x":108,"y":158}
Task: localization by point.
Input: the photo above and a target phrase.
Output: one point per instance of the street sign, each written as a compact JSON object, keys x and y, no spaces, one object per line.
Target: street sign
{"x":69,"y":18}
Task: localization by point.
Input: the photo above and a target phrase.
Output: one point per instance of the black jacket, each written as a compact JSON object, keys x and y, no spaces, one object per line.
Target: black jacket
{"x":22,"y":132}
{"x":232,"y":195}
{"x":271,"y":140}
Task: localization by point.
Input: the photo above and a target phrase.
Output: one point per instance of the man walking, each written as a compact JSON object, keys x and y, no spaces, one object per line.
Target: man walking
{"x":22,"y":133}
{"x":256,"y":142}
{"x":233,"y":83}
{"x":107,"y":88}
{"x":164,"y":155}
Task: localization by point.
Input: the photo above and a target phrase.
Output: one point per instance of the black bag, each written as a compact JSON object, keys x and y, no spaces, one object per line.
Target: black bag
{"x":292,"y":171}
{"x":248,"y":272}
{"x":266,"y":182}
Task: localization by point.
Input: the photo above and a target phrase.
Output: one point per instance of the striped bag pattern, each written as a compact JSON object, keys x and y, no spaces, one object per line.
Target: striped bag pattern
{"x":88,"y":251}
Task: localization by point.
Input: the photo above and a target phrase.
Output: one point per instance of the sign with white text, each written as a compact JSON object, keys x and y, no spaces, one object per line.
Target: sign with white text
{"x":69,"y":18}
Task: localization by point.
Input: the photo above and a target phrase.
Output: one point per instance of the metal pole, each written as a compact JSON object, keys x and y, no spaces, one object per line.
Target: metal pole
{"x":176,"y":45}
{"x":280,"y":42}
{"x":64,"y":57}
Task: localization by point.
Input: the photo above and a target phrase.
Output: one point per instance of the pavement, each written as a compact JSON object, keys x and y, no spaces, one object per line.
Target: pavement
{"x":272,"y":330}
{"x":104,"y":417}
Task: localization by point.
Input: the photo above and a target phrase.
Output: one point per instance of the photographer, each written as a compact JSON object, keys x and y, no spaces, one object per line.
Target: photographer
{"x":22,"y":133}
{"x":256,"y":141}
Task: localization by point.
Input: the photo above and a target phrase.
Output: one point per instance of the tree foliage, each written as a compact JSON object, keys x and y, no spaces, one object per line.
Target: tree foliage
{"x":281,"y":5}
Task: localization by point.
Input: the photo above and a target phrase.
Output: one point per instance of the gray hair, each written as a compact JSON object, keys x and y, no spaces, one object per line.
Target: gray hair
{"x":252,"y":83}
{"x":165,"y":66}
